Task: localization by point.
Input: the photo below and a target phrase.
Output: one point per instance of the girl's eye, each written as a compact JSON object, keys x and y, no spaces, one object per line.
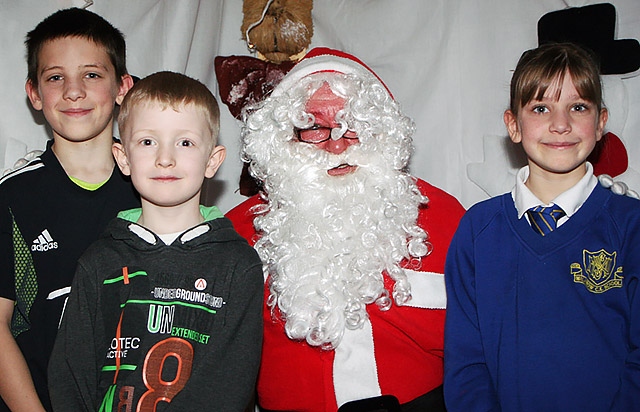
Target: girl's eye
{"x":186,"y":143}
{"x":146,"y":142}
{"x":540,"y":109}
{"x":580,"y":107}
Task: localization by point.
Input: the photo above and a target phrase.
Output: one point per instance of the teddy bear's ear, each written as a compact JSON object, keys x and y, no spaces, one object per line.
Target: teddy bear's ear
{"x":280,"y":33}
{"x":599,"y":22}
{"x":245,"y":80}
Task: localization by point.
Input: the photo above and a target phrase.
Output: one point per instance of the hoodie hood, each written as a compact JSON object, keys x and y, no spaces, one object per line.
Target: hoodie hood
{"x":124,"y":228}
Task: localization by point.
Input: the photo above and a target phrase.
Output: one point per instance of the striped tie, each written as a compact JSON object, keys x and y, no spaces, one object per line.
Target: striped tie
{"x":544,"y":219}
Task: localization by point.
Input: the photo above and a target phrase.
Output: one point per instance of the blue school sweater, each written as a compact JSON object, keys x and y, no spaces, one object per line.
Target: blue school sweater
{"x":544,"y":323}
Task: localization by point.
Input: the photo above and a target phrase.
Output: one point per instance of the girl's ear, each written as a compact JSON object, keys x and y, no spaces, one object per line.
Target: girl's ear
{"x":511,"y":121}
{"x":121,"y":158}
{"x":602,"y":122}
{"x":218,"y":154}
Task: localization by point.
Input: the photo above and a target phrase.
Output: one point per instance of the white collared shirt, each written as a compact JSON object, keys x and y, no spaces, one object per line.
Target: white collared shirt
{"x":570,"y":200}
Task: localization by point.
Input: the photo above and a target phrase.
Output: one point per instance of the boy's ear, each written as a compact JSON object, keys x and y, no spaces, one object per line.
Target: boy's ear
{"x":125,"y":85}
{"x":33,"y":94}
{"x":121,"y":158}
{"x":602,"y":122}
{"x":218,"y":154}
{"x":511,"y":122}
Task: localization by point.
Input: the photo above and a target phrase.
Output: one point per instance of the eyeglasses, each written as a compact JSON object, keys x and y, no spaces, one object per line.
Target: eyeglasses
{"x":319,"y":134}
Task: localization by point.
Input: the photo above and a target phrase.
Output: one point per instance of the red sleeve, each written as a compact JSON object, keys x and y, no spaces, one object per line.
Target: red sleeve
{"x":440,"y":219}
{"x":242,"y":218}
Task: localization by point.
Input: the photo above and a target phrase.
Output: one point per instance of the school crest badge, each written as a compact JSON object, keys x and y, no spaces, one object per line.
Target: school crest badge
{"x":598,"y":272}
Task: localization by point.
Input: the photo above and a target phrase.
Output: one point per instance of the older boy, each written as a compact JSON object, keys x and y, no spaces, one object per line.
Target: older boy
{"x":52,"y":208}
{"x":166,"y":308}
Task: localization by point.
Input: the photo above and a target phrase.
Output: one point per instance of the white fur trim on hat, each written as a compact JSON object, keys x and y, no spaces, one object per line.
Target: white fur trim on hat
{"x":328,"y":61}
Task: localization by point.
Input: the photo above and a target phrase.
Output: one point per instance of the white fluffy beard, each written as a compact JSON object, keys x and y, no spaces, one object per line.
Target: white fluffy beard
{"x":326,"y":240}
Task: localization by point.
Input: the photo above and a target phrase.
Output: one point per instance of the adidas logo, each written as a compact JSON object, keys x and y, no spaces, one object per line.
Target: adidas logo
{"x":44,"y":242}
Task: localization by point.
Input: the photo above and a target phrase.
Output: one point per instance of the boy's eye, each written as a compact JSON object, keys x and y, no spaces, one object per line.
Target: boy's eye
{"x":93,"y":75}
{"x":185,"y":143}
{"x":146,"y":142}
{"x":54,"y":78}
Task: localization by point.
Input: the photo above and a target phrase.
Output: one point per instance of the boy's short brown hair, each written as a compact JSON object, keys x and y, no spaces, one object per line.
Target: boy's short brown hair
{"x":545,"y":66}
{"x":169,"y":89}
{"x":75,"y":22}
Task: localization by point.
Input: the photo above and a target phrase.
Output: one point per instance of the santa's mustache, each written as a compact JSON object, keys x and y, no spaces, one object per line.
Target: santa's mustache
{"x":355,"y":155}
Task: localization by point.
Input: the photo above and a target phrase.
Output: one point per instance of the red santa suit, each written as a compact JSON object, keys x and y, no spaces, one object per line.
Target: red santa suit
{"x":398,"y":352}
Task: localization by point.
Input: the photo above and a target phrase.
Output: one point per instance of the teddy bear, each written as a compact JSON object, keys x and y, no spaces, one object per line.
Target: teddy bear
{"x":279,"y":33}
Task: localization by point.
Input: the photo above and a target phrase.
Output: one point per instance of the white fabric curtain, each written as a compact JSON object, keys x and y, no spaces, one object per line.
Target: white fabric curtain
{"x":447,"y":62}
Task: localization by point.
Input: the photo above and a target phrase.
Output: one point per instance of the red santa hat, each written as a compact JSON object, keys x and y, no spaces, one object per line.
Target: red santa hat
{"x":323,"y":59}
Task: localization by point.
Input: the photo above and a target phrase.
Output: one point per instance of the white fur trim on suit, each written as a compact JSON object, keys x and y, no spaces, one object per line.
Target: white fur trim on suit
{"x":355,"y":356}
{"x":427,"y":290}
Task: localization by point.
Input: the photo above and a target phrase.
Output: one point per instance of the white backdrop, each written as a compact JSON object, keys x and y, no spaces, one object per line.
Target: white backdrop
{"x":447,"y":62}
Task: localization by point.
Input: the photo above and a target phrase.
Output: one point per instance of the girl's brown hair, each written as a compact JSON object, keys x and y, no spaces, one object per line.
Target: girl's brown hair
{"x":540,"y":68}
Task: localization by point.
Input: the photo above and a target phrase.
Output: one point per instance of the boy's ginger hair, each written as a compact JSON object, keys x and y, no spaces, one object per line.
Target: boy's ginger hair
{"x":543,"y":67}
{"x":175,"y":90}
{"x":75,"y":22}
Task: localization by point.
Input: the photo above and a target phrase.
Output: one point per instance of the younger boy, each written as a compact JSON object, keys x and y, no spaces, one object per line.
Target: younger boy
{"x":542,"y":309}
{"x":166,"y":308}
{"x":59,"y":203}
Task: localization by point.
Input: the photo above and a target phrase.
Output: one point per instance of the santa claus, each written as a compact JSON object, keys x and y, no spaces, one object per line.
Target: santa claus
{"x":353,"y":246}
